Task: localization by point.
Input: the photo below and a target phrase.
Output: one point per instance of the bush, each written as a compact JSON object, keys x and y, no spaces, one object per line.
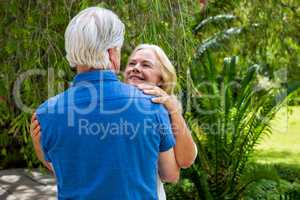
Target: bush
{"x":184,"y":190}
{"x":288,"y":172}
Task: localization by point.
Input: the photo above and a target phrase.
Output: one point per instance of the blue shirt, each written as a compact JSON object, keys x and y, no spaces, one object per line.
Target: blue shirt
{"x":103,"y":138}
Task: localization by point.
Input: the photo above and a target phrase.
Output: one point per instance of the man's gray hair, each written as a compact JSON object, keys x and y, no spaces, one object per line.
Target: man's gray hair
{"x":90,"y":34}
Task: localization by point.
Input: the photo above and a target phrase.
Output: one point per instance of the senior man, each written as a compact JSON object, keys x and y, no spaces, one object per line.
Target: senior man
{"x":82,"y":129}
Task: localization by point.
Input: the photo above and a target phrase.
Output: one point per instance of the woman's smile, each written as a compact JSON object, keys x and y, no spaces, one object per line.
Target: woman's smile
{"x":143,"y":67}
{"x":135,"y":78}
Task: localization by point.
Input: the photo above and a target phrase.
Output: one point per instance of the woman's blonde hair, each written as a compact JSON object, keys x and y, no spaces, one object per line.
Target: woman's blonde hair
{"x":168,"y":71}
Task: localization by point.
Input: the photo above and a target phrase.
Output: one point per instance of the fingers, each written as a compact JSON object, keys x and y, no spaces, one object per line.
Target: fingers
{"x":33,"y":117}
{"x":161,"y":100}
{"x":34,"y":124}
{"x":170,"y":103}
{"x":34,"y":128}
{"x":156,"y":100}
{"x":48,"y":165}
{"x":152,"y":90}
{"x":36,"y":131}
{"x":143,"y":86}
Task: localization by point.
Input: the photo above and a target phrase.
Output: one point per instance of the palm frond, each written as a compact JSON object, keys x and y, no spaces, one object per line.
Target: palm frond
{"x":218,"y":39}
{"x":213,"y":20}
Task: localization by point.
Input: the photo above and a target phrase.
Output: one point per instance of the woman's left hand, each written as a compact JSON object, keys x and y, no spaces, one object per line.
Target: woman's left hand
{"x":169,"y":101}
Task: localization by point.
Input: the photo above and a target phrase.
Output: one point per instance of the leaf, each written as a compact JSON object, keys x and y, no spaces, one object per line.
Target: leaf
{"x":214,"y":19}
{"x":218,"y":39}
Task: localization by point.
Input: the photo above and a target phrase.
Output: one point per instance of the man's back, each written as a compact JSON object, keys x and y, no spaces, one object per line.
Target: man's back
{"x":103,"y":139}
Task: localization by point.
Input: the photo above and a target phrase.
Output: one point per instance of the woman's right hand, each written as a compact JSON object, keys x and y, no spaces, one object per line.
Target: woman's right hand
{"x":169,"y":101}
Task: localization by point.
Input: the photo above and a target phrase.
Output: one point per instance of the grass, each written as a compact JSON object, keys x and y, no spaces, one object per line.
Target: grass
{"x":283,"y":146}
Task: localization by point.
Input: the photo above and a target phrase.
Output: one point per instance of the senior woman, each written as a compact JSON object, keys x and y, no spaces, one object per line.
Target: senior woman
{"x":150,"y":69}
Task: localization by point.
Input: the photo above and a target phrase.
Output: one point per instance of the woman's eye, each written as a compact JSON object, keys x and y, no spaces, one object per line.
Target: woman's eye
{"x":131,"y":63}
{"x":146,"y":65}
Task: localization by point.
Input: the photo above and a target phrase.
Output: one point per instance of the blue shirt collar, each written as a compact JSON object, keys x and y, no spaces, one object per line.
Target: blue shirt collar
{"x":93,"y":76}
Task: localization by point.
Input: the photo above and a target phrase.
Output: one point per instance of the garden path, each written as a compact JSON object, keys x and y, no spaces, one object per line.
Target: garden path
{"x":23,"y":184}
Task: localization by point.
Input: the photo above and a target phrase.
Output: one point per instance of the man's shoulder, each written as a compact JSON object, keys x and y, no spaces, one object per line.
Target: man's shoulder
{"x":144,"y":99}
{"x":50,"y":104}
{"x":139,"y":99}
{"x":130,"y":91}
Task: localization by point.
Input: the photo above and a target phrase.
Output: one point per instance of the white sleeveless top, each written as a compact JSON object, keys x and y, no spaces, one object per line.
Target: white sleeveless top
{"x":160,"y":189}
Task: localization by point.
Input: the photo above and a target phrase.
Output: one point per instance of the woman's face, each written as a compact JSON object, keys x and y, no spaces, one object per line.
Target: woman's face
{"x":143,"y":67}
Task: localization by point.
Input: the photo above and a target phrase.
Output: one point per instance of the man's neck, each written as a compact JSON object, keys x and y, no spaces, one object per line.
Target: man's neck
{"x":82,"y":69}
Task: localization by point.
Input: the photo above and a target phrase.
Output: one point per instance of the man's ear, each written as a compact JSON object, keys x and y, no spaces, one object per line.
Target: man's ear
{"x":114,"y":59}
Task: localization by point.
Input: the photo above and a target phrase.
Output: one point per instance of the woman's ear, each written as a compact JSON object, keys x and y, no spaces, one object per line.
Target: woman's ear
{"x":114,"y":58}
{"x":160,"y":83}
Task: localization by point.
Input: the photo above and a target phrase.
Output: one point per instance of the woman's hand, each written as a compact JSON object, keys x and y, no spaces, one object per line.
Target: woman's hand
{"x":35,"y":133}
{"x":34,"y":127}
{"x":169,"y":101}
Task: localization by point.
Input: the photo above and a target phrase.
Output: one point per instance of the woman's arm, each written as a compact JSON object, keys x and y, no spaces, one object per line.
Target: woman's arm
{"x":185,"y":148}
{"x":35,"y":133}
{"x":168,"y":168}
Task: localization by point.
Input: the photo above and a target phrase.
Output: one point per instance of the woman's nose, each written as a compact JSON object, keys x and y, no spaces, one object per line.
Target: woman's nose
{"x":136,"y":68}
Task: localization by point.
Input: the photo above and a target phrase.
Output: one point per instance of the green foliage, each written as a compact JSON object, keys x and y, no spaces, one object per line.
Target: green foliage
{"x":32,"y":38}
{"x":230,"y":114}
{"x":287,"y":172}
{"x":268,"y":189}
{"x":286,"y":187}
{"x":256,"y":173}
{"x":232,"y":104}
{"x":262,"y":32}
{"x":182,"y":190}
{"x":263,"y":190}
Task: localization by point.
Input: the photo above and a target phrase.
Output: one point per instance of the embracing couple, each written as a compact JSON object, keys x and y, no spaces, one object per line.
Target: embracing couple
{"x":124,"y":163}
